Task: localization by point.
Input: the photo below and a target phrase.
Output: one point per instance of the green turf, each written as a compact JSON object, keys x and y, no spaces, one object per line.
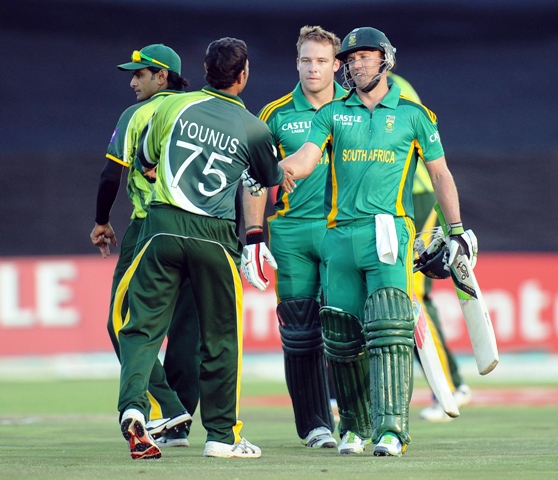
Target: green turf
{"x":69,"y":430}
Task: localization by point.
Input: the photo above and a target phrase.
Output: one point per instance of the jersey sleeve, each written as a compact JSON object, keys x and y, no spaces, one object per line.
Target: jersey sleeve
{"x":321,"y":127}
{"x":264,"y":166}
{"x":428,"y":136}
{"x":116,"y":150}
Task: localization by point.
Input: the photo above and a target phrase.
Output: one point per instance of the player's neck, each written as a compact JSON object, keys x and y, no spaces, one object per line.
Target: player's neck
{"x":320,"y":98}
{"x":373,"y":97}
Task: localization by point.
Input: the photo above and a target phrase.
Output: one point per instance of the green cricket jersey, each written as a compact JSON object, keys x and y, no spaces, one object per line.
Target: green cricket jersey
{"x":202,"y":142}
{"x":289,"y":120}
{"x":374,"y":154}
{"x":123,"y":147}
{"x":422,"y":183}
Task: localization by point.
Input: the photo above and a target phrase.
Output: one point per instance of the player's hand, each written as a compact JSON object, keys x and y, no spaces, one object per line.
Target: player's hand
{"x":288,"y":184}
{"x":150,"y":174}
{"x":253,"y":256}
{"x":251,"y":184}
{"x":463,"y":242}
{"x":102,"y":236}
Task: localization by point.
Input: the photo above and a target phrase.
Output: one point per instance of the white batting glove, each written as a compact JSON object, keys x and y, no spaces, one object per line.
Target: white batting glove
{"x":251,"y":184}
{"x":462,"y":242}
{"x":252,"y":262}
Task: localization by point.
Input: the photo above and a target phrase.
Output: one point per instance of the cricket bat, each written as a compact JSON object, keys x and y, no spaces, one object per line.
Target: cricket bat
{"x":430,"y":362}
{"x":477,"y":318}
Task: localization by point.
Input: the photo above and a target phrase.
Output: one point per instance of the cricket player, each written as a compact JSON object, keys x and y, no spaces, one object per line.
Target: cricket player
{"x":376,"y":139}
{"x":156,"y":73}
{"x":425,"y":219}
{"x":200,"y":142}
{"x":296,"y":231}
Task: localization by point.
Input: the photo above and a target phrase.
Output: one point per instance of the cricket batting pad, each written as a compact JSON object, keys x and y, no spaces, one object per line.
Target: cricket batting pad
{"x":344,"y":348}
{"x":388,"y":330}
{"x":305,"y":364}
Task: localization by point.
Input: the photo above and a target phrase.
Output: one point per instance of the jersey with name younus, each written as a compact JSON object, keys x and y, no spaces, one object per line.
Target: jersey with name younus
{"x":375,"y":154}
{"x":202,"y":142}
{"x":124,"y":144}
{"x":289,"y":120}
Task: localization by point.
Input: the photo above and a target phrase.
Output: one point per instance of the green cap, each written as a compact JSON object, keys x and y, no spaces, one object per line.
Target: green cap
{"x":158,"y":56}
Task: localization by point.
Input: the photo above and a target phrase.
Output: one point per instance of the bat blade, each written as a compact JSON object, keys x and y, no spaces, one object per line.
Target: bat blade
{"x":430,"y":362}
{"x":477,"y":318}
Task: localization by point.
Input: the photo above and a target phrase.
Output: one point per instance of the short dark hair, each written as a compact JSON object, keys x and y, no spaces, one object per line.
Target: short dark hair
{"x":175,"y":81}
{"x":224,"y":61}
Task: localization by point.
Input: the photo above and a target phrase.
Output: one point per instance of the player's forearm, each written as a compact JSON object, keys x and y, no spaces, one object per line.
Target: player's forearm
{"x":447,"y":197}
{"x":303,"y":161}
{"x":444,"y":189}
{"x":253,"y":209}
{"x":107,"y":191}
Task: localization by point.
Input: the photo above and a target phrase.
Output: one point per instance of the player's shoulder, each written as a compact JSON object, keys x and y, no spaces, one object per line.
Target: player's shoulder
{"x":127,"y":114}
{"x":417,"y":107}
{"x":273,"y":108}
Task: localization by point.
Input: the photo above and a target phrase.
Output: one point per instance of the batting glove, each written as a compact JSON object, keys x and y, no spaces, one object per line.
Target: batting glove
{"x":462,"y":242}
{"x":251,"y":184}
{"x":252,"y":262}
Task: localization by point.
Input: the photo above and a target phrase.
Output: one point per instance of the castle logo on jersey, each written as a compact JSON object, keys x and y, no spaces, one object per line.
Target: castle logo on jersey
{"x":390,"y":123}
{"x":347,"y":119}
{"x":375,"y":155}
{"x":296,"y":127}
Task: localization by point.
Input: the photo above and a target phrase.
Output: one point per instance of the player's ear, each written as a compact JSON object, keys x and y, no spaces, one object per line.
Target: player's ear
{"x":336,"y":64}
{"x":162,"y":76}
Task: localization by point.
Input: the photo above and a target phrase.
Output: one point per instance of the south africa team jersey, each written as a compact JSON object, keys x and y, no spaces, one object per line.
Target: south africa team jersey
{"x":124,"y":143}
{"x":203,"y":141}
{"x":374,"y":155}
{"x":289,"y":120}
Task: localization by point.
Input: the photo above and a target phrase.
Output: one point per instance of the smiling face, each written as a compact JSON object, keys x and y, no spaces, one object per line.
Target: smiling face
{"x":316,"y":65}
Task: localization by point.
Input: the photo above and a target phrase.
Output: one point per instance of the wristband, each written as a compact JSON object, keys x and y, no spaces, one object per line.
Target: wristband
{"x":455,"y":229}
{"x":254,"y":236}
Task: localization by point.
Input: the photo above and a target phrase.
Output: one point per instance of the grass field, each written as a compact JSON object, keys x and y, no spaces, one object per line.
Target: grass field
{"x":69,"y":430}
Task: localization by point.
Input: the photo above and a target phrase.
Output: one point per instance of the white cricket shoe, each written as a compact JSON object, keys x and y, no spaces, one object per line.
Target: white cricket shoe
{"x":388,"y":446}
{"x":320,"y":438}
{"x":351,"y":443}
{"x":173,"y":439}
{"x":134,"y":431}
{"x":435,"y":412}
{"x":462,"y":395}
{"x":158,"y":428}
{"x":242,"y":449}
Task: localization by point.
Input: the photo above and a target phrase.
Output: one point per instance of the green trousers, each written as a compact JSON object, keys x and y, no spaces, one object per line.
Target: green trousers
{"x":174,"y":246}
{"x":174,"y":387}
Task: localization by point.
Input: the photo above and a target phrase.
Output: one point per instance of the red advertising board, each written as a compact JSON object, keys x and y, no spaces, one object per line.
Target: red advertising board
{"x":51,"y":305}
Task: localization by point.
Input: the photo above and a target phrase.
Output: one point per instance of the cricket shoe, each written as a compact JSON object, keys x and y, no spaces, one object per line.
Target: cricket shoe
{"x":352,"y":444}
{"x":139,"y":440}
{"x":173,"y":439}
{"x":434,"y":413}
{"x":242,"y":449}
{"x":462,"y":395}
{"x":389,"y":446}
{"x":158,"y":428}
{"x":320,"y":438}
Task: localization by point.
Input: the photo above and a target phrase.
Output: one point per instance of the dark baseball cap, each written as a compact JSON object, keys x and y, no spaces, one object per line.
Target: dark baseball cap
{"x":157,"y":55}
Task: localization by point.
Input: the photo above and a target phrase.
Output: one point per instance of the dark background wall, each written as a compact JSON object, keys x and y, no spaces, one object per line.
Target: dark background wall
{"x":488,"y":69}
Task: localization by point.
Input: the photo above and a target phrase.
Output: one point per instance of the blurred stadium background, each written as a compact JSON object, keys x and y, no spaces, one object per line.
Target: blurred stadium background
{"x":487,"y":68}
